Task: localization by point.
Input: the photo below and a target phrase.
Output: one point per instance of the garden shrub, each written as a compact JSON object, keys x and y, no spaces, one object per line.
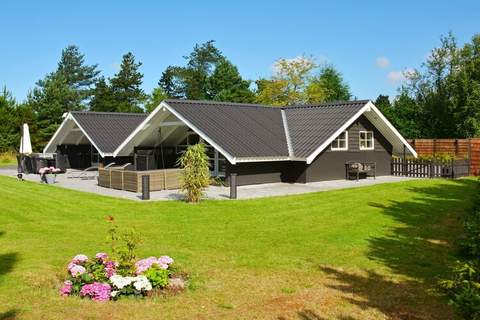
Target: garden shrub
{"x":109,"y":278}
{"x":463,"y":288}
{"x":196,"y":172}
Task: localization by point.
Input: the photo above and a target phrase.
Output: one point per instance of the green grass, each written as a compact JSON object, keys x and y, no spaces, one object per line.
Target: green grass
{"x":347,"y":254}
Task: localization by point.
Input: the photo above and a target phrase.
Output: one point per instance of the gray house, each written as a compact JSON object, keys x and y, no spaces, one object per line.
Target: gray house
{"x":261,"y":144}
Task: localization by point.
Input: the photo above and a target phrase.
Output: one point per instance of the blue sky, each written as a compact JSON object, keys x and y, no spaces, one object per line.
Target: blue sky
{"x":370,"y":42}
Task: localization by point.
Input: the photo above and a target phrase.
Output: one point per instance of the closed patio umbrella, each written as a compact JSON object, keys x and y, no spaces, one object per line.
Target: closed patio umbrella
{"x":25,"y":143}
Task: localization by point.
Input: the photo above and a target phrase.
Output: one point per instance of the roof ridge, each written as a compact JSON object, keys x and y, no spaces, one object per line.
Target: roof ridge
{"x":326,"y":104}
{"x":111,"y":113}
{"x":240,"y":104}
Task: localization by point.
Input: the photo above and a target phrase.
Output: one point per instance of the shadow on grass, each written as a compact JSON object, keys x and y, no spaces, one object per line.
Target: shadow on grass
{"x":9,"y":315}
{"x":419,"y":249}
{"x":7,"y":261}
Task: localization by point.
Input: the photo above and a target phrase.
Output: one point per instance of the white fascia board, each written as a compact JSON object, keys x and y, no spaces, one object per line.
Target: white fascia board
{"x":267,"y":159}
{"x":229,"y":157}
{"x":102,"y":154}
{"x":141,"y":127}
{"x":345,"y":126}
{"x":394,"y":130}
{"x":67,"y":119}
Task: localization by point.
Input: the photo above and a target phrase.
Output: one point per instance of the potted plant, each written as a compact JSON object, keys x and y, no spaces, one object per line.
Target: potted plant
{"x":48,"y":174}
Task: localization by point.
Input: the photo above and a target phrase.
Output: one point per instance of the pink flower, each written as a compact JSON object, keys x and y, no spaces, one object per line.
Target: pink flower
{"x":110,"y":268}
{"x":71,"y":265}
{"x":67,"y":288}
{"x":165,"y":260}
{"x":77,"y":270}
{"x":96,"y":291}
{"x":101,"y":256}
{"x":80,"y":259}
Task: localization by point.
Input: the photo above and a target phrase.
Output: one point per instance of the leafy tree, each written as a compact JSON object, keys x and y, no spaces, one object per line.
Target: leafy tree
{"x":442,"y":99}
{"x":331,"y":84}
{"x":196,"y":173}
{"x":126,"y":85}
{"x":295,"y":82}
{"x":154,"y":99}
{"x":207,"y":75}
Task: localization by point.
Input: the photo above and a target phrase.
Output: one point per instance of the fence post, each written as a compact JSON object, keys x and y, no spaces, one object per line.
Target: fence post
{"x":453,"y":168}
{"x":430,"y":167}
{"x":233,"y":186}
{"x":146,"y":187}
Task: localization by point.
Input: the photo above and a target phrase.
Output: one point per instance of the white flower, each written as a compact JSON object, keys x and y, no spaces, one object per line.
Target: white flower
{"x":113,"y":293}
{"x":142,"y":283}
{"x":119,"y":282}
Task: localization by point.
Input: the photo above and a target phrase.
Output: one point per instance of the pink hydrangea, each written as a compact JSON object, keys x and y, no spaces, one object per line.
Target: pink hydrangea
{"x":67,"y":288}
{"x":77,"y":270}
{"x":165,"y":260}
{"x":110,"y":268}
{"x":96,"y":291}
{"x":80,"y":259}
{"x":143,"y":265}
{"x":101,"y":256}
{"x":71,"y":265}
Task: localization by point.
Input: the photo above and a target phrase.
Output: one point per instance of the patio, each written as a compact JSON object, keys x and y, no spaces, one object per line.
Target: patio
{"x":213,"y":192}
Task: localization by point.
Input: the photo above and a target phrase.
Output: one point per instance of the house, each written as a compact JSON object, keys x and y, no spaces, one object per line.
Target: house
{"x":261,"y":144}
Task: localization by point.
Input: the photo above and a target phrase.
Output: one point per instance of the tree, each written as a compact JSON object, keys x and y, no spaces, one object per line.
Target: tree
{"x":226,"y":84}
{"x":294,"y":82}
{"x":207,"y":75}
{"x":154,"y":99}
{"x":331,"y":84}
{"x":66,"y":89}
{"x":126,"y":85}
{"x":78,"y":76}
{"x":196,"y":172}
{"x":442,"y":99}
{"x":103,"y":97}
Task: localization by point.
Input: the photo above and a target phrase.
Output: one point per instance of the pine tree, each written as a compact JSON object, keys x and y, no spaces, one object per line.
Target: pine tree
{"x":126,"y":86}
{"x":103,"y":97}
{"x":226,"y":84}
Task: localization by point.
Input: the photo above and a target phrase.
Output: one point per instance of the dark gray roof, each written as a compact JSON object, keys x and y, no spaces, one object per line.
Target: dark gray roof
{"x":108,"y":129}
{"x":242,"y":130}
{"x":249,"y":130}
{"x":311,"y":125}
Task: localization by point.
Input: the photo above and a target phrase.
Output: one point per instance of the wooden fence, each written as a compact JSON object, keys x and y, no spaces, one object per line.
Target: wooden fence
{"x":132,"y":180}
{"x":430,"y":168}
{"x":460,"y":148}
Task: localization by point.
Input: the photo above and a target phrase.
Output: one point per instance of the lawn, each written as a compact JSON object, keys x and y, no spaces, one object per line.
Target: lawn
{"x":366,"y":253}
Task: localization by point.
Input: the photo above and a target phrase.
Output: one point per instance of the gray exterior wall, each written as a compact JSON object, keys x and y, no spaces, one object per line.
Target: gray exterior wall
{"x":329,"y":165}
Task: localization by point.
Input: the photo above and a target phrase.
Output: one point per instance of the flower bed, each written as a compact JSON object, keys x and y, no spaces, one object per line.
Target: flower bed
{"x":101,"y":279}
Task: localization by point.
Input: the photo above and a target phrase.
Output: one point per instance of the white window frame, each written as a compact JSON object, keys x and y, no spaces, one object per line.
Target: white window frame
{"x":336,"y":139}
{"x":360,"y":140}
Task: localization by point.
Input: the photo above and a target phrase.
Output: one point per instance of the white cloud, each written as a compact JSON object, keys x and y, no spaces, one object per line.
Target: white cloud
{"x":395,"y":77}
{"x":382,"y":62}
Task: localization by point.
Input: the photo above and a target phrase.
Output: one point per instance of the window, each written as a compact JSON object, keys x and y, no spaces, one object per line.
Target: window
{"x":366,"y":140}
{"x":341,"y":142}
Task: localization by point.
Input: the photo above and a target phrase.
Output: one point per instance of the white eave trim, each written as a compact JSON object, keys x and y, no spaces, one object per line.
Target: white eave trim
{"x":367,"y":107}
{"x":64,"y":122}
{"x":267,"y":159}
{"x":70,"y":117}
{"x":395,"y":131}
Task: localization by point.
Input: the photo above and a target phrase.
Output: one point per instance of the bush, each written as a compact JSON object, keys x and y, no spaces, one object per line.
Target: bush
{"x":103,"y":278}
{"x":196,"y":173}
{"x":464,"y":287}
